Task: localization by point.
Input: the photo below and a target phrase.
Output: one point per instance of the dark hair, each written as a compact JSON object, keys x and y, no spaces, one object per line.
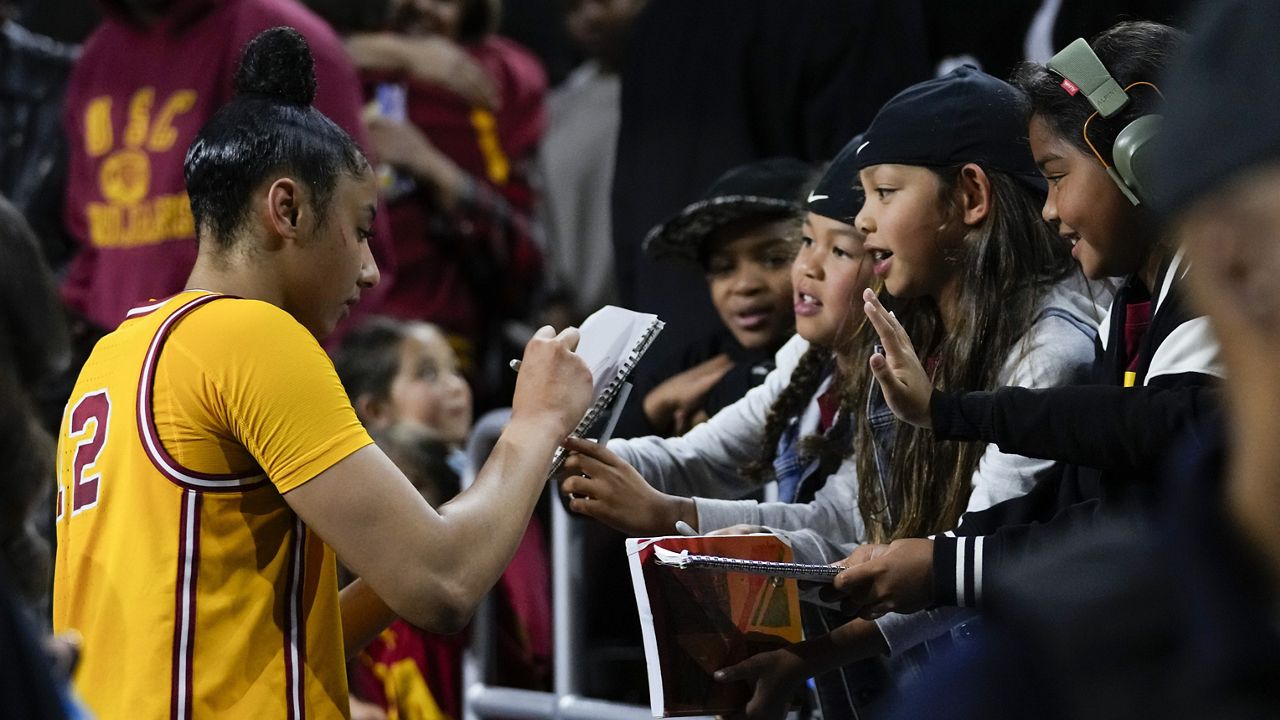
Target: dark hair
{"x":270,"y":127}
{"x":34,"y":350}
{"x":27,"y":474}
{"x":807,"y":376}
{"x":479,"y":18}
{"x":1131,"y":52}
{"x":423,"y":456}
{"x":369,"y":358}
{"x":346,"y":17}
{"x":1007,"y":265}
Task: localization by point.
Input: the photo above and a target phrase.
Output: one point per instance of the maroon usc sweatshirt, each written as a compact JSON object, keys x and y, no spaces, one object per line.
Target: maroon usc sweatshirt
{"x":135,"y":101}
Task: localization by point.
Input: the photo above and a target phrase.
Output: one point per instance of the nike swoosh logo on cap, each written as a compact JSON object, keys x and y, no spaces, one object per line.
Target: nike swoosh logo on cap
{"x":813,"y":197}
{"x":859,"y":150}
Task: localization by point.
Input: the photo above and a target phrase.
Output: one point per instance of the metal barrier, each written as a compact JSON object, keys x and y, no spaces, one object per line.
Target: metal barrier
{"x":565,"y":702}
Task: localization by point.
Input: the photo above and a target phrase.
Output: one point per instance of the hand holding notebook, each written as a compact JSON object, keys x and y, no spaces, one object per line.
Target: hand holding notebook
{"x":696,"y":622}
{"x":612,"y":341}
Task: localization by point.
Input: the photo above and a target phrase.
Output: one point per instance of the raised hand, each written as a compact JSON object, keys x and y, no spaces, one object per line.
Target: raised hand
{"x":554,"y":385}
{"x":435,"y":60}
{"x":603,"y":486}
{"x":880,"y":579}
{"x":404,"y":146}
{"x":441,"y":61}
{"x":673,"y":406}
{"x":906,"y":386}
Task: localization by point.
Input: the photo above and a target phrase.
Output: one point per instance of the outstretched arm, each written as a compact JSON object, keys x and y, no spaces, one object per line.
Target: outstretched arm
{"x":1103,"y":426}
{"x":433,"y":567}
{"x":603,"y":486}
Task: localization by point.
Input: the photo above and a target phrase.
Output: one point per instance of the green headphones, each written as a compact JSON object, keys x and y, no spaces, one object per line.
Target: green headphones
{"x":1084,"y":72}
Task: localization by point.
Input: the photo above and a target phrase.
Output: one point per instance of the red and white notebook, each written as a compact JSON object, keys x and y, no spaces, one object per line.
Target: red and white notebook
{"x":696,"y":619}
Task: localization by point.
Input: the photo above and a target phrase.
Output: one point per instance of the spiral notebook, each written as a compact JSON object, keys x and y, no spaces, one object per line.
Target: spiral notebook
{"x":612,"y":340}
{"x":694,"y":622}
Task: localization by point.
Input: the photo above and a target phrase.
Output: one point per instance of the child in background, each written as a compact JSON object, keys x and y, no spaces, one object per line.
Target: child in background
{"x":404,"y":381}
{"x":413,"y":674}
{"x":463,"y":231}
{"x":742,"y":234}
{"x":395,"y":370}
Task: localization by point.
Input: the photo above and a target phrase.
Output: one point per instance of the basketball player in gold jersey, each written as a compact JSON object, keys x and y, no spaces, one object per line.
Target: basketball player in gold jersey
{"x":210,"y":464}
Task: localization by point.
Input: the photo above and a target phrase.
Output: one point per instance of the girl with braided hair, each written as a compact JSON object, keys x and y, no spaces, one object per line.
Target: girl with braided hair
{"x":794,"y":428}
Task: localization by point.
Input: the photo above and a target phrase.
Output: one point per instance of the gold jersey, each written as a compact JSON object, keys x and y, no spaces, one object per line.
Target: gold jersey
{"x":198,"y":592}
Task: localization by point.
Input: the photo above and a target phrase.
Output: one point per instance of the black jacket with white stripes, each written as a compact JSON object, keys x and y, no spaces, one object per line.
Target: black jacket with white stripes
{"x":1113,"y":439}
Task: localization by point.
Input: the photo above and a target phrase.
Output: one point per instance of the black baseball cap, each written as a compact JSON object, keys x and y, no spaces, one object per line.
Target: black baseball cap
{"x":838,"y":194}
{"x":1223,"y":113}
{"x":964,"y":116}
{"x":767,"y":189}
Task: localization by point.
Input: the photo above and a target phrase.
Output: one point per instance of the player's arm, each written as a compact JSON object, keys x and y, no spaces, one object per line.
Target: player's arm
{"x":433,"y":567}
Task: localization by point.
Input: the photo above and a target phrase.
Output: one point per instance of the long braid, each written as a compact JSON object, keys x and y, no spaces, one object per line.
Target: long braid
{"x":792,"y":401}
{"x":836,"y":444}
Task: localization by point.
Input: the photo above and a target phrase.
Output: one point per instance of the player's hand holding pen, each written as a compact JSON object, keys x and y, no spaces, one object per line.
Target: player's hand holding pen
{"x":554,"y":385}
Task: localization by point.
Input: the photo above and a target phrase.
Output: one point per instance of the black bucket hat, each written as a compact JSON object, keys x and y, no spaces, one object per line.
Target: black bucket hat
{"x":767,"y":189}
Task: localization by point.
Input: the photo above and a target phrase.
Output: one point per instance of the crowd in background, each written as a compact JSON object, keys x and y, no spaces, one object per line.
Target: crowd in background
{"x":697,"y":160}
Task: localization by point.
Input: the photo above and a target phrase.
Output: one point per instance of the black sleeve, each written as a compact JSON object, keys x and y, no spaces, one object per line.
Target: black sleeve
{"x":1101,"y":426}
{"x":966,"y":568}
{"x":1121,"y":430}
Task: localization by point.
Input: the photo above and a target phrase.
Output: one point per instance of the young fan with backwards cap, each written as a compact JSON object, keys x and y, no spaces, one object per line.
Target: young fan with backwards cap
{"x":211,"y":465}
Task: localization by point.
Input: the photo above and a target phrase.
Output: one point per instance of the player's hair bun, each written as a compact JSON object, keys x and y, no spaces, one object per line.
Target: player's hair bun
{"x":277,"y":65}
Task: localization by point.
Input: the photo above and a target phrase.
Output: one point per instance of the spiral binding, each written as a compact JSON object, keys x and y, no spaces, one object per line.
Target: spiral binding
{"x":609,"y":393}
{"x":683,"y":560}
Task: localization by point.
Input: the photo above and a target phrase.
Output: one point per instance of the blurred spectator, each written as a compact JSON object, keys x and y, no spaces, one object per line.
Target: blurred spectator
{"x":411,"y":673}
{"x":68,"y":21}
{"x":536,"y":25}
{"x":404,"y":382}
{"x":395,"y":370}
{"x":712,"y":84}
{"x":134,"y":102}
{"x":33,"y":347}
{"x":457,"y":112}
{"x":577,"y":156}
{"x":33,"y":76}
{"x":1000,"y":33}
